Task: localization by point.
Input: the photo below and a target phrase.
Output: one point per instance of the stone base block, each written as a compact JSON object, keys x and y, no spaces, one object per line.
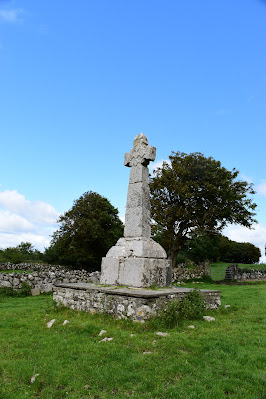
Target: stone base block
{"x":136,"y":272}
{"x":125,"y":303}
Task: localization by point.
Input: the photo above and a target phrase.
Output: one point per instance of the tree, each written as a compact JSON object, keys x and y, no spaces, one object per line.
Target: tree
{"x":193,"y":194}
{"x":204,"y":247}
{"x":241,"y":252}
{"x":24,"y":252}
{"x":216,"y":247}
{"x":86,"y":233}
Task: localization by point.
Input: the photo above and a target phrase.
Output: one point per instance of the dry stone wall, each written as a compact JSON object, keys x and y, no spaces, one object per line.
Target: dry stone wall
{"x":43,"y":277}
{"x":233,"y":272}
{"x":182,"y":272}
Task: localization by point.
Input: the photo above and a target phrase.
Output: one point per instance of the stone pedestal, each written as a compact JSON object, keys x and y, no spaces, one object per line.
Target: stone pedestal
{"x":136,"y":262}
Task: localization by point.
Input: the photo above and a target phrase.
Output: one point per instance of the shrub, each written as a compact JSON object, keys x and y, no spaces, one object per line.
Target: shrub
{"x":24,"y":291}
{"x":191,"y":307}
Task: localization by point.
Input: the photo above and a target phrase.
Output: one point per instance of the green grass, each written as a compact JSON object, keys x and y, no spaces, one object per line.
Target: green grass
{"x":218,"y":269}
{"x":223,"y":359}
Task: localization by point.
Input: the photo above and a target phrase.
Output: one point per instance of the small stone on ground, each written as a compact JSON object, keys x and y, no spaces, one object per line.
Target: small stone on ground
{"x":147,"y":353}
{"x":162,"y":334}
{"x":50,"y":323}
{"x":65,"y":322}
{"x":102,"y":332}
{"x":208,"y":318}
{"x":33,"y":378}
{"x":191,"y":326}
{"x":35,"y":291}
{"x":106,"y":339}
{"x":227,"y":306}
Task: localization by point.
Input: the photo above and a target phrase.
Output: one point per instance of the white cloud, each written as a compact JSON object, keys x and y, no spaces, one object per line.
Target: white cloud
{"x":12,"y":240}
{"x":246,"y":178}
{"x":25,"y":220}
{"x":36,"y":211}
{"x":261,"y":189}
{"x":12,"y":223}
{"x":13,"y":16}
{"x":157,"y":164}
{"x":256,"y":236}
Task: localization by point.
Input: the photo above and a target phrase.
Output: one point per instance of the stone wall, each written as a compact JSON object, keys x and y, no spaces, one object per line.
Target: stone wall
{"x":233,"y":272}
{"x":43,"y":277}
{"x":182,"y":272}
{"x":125,"y":303}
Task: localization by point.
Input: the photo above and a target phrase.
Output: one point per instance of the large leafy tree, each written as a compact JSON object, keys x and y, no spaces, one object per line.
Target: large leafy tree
{"x":86,"y":233}
{"x":192,"y":194}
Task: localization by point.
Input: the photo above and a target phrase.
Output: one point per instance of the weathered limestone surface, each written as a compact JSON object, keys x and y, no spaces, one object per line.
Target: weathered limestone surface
{"x":136,"y":260}
{"x":125,"y":303}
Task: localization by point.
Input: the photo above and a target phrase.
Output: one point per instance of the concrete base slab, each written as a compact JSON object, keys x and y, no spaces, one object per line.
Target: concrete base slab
{"x":124,"y":302}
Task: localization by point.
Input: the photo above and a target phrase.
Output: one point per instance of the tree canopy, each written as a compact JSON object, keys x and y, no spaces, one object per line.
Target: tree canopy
{"x":24,"y":252}
{"x":86,"y":232}
{"x":216,"y":247}
{"x":192,"y":194}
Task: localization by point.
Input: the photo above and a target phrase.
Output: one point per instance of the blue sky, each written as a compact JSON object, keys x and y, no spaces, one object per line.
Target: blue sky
{"x":79,"y":80}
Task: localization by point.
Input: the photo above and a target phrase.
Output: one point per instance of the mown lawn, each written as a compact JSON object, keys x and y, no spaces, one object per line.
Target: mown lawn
{"x":221,"y":359}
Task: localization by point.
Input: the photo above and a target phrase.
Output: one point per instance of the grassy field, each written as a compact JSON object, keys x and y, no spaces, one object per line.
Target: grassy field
{"x":218,"y":269}
{"x":221,"y":359}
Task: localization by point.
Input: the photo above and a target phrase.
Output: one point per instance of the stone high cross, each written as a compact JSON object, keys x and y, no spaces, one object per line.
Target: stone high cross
{"x":137,"y":221}
{"x":136,"y":260}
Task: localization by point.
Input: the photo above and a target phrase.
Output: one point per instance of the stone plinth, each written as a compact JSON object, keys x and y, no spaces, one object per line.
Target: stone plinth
{"x":136,"y":262}
{"x":125,"y":303}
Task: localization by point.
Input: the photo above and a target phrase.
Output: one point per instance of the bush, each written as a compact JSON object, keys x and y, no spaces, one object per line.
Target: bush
{"x":191,"y":307}
{"x":24,"y":291}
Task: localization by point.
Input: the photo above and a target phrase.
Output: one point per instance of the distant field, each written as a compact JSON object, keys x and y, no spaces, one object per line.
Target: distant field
{"x":218,"y":269}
